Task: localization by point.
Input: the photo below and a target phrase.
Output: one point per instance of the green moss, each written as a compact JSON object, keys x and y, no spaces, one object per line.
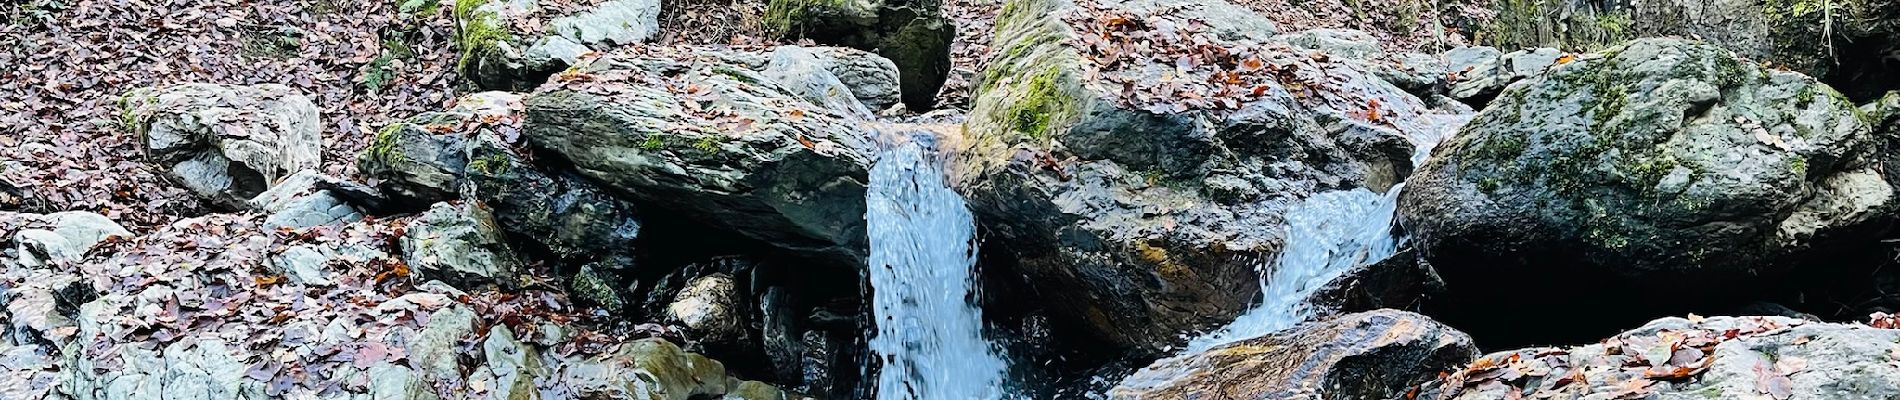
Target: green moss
{"x":279,"y":43}
{"x":788,"y":17}
{"x":653,"y":141}
{"x":1490,"y":184}
{"x":383,"y":148}
{"x":481,"y":32}
{"x":597,"y":288}
{"x":494,"y":164}
{"x":377,"y":73}
{"x":735,"y":74}
{"x":129,"y":105}
{"x":423,"y":8}
{"x":1042,"y":103}
{"x":709,"y":143}
{"x":1798,"y":164}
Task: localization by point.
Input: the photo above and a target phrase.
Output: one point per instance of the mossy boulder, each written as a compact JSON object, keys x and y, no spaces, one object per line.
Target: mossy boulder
{"x":415,"y":164}
{"x":1376,"y":354}
{"x":1838,"y":41}
{"x":517,"y":44}
{"x":1642,"y":167}
{"x":691,"y":132}
{"x":1139,"y":226}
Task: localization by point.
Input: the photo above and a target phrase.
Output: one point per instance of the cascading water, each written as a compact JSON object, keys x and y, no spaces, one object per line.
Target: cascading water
{"x":929,"y":335}
{"x":1327,"y":234}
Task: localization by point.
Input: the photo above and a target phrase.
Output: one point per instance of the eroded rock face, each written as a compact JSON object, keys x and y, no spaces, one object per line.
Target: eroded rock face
{"x":1368,"y":355}
{"x":1482,"y":72}
{"x":227,"y":143}
{"x":1653,"y":163}
{"x":499,"y":54}
{"x":705,"y":137}
{"x":1140,"y":222}
{"x":1699,"y":358}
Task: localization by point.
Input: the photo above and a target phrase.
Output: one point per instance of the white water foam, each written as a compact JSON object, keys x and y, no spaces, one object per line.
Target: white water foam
{"x":929,"y":336}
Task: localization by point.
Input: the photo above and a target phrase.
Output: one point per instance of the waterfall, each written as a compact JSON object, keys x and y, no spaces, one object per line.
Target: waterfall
{"x":929,"y":336}
{"x":1327,"y":234}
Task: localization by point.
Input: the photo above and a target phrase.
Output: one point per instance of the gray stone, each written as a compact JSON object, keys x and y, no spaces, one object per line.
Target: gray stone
{"x":299,"y":202}
{"x":1729,"y":358}
{"x":1370,"y":355}
{"x":68,"y":235}
{"x":1463,"y":60}
{"x":799,"y":70}
{"x":561,"y":211}
{"x":507,"y":60}
{"x":1348,"y":44}
{"x":647,"y":369}
{"x":711,"y":306}
{"x":434,"y":352}
{"x":227,"y":143}
{"x":783,"y":172}
{"x":1489,"y":76}
{"x":1652,"y":163}
{"x":459,"y":244}
{"x":306,"y":263}
{"x":872,"y":78}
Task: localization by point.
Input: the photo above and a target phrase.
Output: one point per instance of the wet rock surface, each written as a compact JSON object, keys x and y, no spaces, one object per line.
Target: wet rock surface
{"x":1143,"y":218}
{"x":1368,"y":355}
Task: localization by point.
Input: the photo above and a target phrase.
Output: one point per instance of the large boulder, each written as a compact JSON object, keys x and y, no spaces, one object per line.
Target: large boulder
{"x":1650,"y":164}
{"x":515,"y":44}
{"x":1369,"y":355}
{"x":1693,"y":358}
{"x":913,"y":34}
{"x":689,"y":131}
{"x":1140,"y":205}
{"x":226,"y":143}
{"x":1847,"y":43}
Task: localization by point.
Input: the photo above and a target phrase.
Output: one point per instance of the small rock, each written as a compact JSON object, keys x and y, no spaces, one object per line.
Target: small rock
{"x":710,"y":306}
{"x":300,"y":202}
{"x":68,"y":236}
{"x":460,"y":244}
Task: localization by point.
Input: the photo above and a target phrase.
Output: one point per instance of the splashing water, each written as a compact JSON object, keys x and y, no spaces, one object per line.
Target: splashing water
{"x":1327,"y":234}
{"x":929,"y":331}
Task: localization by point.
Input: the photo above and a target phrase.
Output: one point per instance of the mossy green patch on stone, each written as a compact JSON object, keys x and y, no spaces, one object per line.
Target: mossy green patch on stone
{"x":595,"y":287}
{"x":1041,"y":104}
{"x":481,"y":32}
{"x":494,"y":164}
{"x":382,"y":149}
